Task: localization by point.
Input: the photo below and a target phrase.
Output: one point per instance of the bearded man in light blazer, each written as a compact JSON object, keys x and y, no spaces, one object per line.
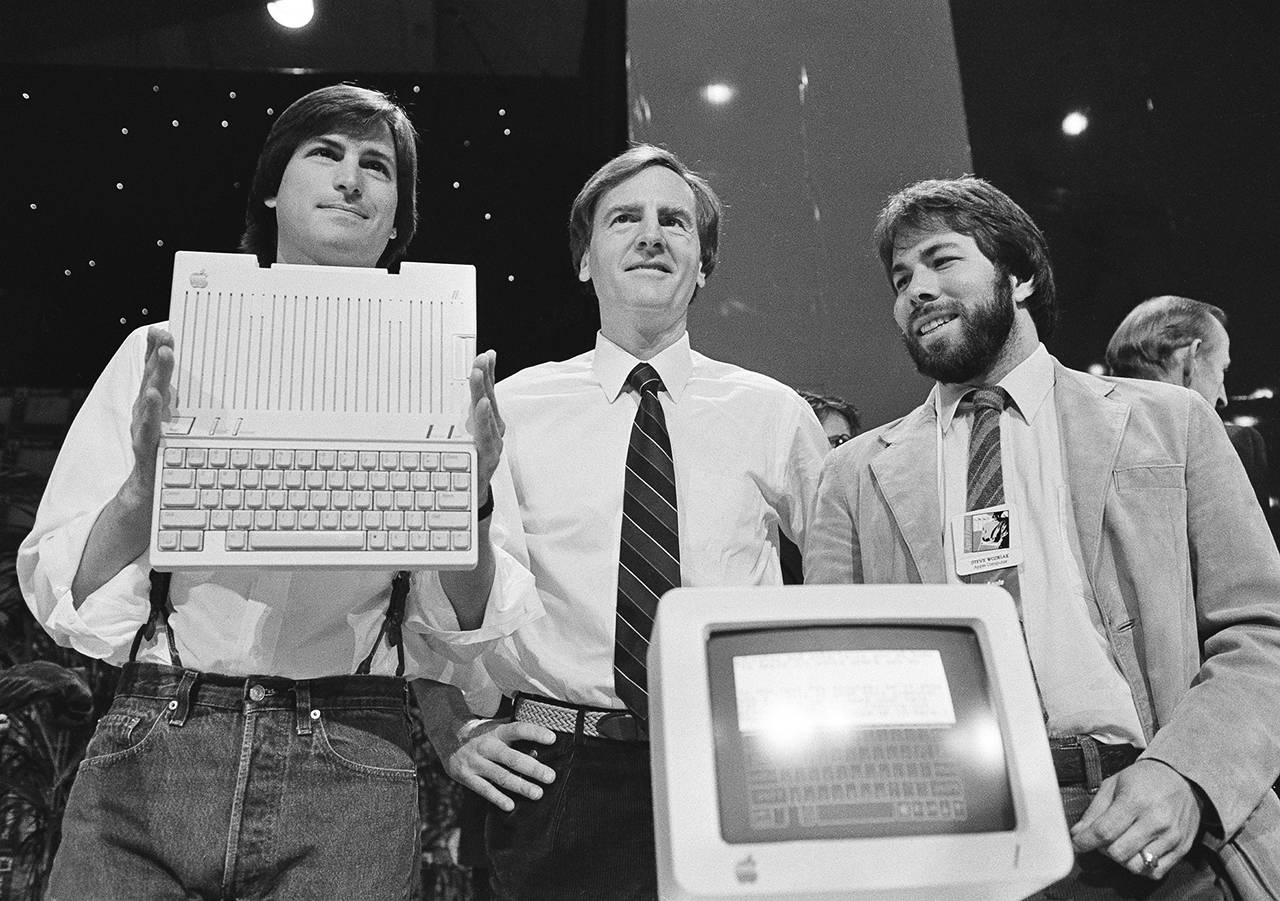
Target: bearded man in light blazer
{"x":1146,"y":582}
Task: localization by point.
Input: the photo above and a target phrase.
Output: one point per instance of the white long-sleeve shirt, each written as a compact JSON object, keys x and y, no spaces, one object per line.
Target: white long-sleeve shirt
{"x":299,"y":624}
{"x":747,"y":452}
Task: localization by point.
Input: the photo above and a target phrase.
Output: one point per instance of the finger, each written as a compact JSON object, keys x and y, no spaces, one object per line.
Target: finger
{"x":486,"y":790}
{"x":521,"y":731}
{"x":506,"y":779}
{"x":1089,"y":833}
{"x":491,"y":381}
{"x":1129,"y":845}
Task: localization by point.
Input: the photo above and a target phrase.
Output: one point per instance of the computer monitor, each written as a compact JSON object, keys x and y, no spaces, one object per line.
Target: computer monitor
{"x":852,"y":742}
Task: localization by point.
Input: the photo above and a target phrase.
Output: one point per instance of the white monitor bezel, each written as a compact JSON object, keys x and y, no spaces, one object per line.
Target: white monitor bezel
{"x":695,"y":862}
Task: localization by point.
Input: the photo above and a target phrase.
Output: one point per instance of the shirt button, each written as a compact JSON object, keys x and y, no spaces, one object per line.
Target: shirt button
{"x":257,"y":693}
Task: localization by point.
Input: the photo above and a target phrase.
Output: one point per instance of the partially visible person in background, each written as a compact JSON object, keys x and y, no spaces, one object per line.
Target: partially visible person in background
{"x":1185,"y":342}
{"x":841,"y":421}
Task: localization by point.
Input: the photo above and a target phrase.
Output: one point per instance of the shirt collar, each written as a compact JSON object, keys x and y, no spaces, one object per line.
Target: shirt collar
{"x":1028,"y":384}
{"x":611,"y":365}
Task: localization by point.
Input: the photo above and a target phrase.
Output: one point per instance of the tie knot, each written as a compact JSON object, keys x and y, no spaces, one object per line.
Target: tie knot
{"x":645,"y":378}
{"x":990,"y":399}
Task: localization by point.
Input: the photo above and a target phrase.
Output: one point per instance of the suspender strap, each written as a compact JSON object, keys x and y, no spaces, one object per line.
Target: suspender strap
{"x":160,"y":610}
{"x":391,"y":625}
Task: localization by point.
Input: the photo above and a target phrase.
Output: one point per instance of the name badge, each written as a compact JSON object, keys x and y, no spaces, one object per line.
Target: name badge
{"x":986,"y":539}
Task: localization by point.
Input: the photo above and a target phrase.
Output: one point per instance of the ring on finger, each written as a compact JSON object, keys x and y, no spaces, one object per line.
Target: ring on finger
{"x":1150,"y":861}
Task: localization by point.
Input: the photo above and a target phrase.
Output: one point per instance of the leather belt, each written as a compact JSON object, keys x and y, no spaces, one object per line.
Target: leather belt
{"x":1069,"y":758}
{"x":615,"y":725}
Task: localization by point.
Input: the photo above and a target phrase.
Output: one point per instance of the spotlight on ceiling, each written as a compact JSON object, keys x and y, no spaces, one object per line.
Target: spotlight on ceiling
{"x":1074,"y":123}
{"x":292,"y":13}
{"x":718,"y":93}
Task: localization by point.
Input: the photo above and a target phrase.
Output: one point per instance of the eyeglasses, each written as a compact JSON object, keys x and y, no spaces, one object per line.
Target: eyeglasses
{"x":837,"y":440}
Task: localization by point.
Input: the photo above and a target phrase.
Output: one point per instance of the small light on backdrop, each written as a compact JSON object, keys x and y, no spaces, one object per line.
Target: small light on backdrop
{"x":718,"y":93}
{"x":1097,"y":369}
{"x":1246,"y":421}
{"x":1074,"y":123}
{"x":292,"y":13}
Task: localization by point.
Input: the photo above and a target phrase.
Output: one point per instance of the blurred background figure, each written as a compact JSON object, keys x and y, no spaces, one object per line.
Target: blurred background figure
{"x":841,"y":421}
{"x":1185,"y":342}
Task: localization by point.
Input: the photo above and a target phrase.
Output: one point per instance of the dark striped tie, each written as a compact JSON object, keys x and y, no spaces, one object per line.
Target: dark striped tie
{"x":649,"y":552}
{"x":986,"y":478}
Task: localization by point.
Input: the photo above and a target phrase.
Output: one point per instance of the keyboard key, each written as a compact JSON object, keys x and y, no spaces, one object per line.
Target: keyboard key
{"x":293,"y":478}
{"x":174,"y":456}
{"x":440,"y":541}
{"x":218,"y":457}
{"x":399,"y":481}
{"x":330,"y":519}
{"x":389,"y":460}
{"x":438,"y":520}
{"x":261,"y":458}
{"x":409,"y":460}
{"x":419,"y":540}
{"x":282,"y":459}
{"x":341,"y":500}
{"x":276,"y":499}
{"x":197,"y":457}
{"x":206,"y":478}
{"x":192,"y":541}
{"x":264,"y":519}
{"x":336,"y":479}
{"x":228,"y":478}
{"x":358,"y":480}
{"x":382,"y":500}
{"x":351,"y":519}
{"x":462,"y":481}
{"x":232,"y":498}
{"x":220,"y":519}
{"x":308,"y":519}
{"x":235,"y":541}
{"x":240,"y":458}
{"x":415,"y":519}
{"x":210,"y":498}
{"x":184,"y":519}
{"x":311,"y":541}
{"x":377,"y":541}
{"x":372,"y":519}
{"x":424,"y":500}
{"x":362,"y":500}
{"x":378,"y":481}
{"x":272,"y":478}
{"x":177,"y":478}
{"x":420,"y":481}
{"x":168,"y":541}
{"x":298,"y":499}
{"x":404,"y":500}
{"x":453,"y":500}
{"x":326,"y":459}
{"x":368,"y":459}
{"x":255,"y":499}
{"x":318,"y":500}
{"x":252,"y":478}
{"x":347,"y":459}
{"x":430,"y":460}
{"x":242,"y":519}
{"x":393,"y":519}
{"x":398,"y":541}
{"x":440,"y":481}
{"x":314,"y":478}
{"x":456,"y":462}
{"x":305,"y":459}
{"x":178,"y":497}
{"x":287,"y":519}
{"x":461,"y":541}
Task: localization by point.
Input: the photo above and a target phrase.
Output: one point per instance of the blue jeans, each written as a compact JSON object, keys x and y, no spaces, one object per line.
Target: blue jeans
{"x":590,"y":835}
{"x":212,"y":787}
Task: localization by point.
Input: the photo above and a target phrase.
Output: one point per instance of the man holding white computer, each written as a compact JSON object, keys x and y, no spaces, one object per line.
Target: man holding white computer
{"x":1144,"y":575}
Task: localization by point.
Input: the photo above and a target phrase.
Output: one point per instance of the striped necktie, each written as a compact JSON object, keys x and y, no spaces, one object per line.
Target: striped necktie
{"x":986,"y":478}
{"x":649,"y":552}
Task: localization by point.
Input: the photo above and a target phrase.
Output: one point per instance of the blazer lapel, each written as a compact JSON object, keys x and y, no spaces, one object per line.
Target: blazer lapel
{"x":907,"y":473}
{"x":1091,"y":427}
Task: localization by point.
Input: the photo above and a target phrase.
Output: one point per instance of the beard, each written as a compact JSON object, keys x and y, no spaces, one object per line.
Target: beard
{"x":984,"y":329}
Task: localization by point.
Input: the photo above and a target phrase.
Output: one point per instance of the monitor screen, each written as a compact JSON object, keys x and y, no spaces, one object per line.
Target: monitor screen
{"x":855,"y":731}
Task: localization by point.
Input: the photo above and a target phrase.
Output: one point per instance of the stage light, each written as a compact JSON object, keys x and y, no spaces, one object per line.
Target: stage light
{"x":1074,"y":123}
{"x":1246,"y":421}
{"x":718,"y":93}
{"x":1097,"y":369}
{"x":292,"y":13}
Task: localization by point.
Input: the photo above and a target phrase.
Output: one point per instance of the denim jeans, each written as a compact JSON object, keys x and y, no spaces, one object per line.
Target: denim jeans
{"x":212,"y":787}
{"x":590,"y":835}
{"x":1095,"y":877}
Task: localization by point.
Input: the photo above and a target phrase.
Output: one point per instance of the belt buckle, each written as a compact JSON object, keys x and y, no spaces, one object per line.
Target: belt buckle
{"x":622,"y":726}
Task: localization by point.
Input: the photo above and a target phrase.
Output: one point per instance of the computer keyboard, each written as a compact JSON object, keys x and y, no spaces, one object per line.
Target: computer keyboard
{"x":240,"y":504}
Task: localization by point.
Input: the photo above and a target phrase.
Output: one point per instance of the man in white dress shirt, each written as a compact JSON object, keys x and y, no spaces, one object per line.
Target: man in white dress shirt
{"x":258,"y":711}
{"x":743,"y":457}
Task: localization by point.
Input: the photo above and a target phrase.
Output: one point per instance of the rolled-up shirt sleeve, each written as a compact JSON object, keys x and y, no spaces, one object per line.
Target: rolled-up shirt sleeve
{"x":93,"y":463}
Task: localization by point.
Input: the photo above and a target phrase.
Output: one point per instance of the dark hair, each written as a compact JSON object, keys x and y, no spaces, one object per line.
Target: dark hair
{"x":707,"y":206}
{"x":828,"y":403}
{"x":1146,"y":338}
{"x":1002,"y":230}
{"x":339,"y":109}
